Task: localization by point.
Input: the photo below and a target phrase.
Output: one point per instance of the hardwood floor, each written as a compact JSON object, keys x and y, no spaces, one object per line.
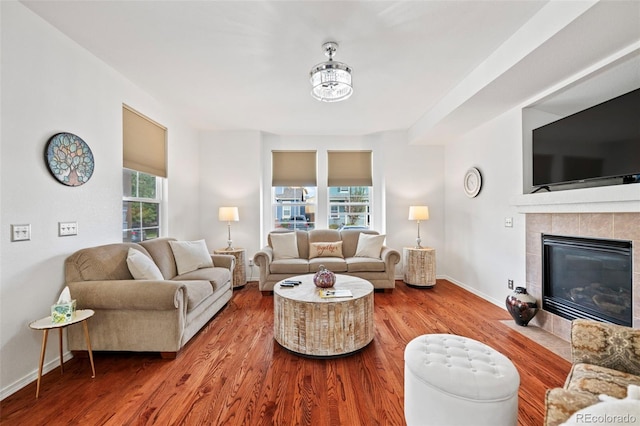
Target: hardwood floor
{"x":233,"y":372}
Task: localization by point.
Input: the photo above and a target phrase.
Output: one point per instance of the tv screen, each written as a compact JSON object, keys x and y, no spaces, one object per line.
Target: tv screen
{"x":600,"y":142}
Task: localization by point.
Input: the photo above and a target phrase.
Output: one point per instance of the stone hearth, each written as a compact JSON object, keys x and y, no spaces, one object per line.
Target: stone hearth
{"x":619,"y":226}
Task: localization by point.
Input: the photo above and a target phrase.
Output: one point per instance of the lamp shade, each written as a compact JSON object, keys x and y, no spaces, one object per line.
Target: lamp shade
{"x":418,"y":213}
{"x":228,"y":214}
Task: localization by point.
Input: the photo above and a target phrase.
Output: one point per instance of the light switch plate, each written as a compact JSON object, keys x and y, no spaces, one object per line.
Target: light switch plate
{"x":20,"y":232}
{"x":508,"y":222}
{"x":66,"y":229}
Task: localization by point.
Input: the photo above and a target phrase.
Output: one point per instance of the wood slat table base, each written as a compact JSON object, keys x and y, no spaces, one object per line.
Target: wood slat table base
{"x":420,"y":266}
{"x":310,"y":325}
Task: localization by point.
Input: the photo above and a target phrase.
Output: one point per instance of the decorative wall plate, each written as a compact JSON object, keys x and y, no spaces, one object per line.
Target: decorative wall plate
{"x":472,"y":182}
{"x":69,"y":159}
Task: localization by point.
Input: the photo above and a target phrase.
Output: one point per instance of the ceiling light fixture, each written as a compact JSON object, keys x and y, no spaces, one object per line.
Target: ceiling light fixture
{"x":331,"y":80}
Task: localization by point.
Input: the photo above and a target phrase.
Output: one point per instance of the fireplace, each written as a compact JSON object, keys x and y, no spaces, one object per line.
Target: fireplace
{"x":587,"y":278}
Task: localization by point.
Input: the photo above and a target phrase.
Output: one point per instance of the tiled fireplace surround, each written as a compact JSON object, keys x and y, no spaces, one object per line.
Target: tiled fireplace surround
{"x":619,"y":226}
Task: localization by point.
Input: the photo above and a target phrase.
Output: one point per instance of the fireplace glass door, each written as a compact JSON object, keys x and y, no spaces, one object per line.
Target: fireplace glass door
{"x":587,"y":278}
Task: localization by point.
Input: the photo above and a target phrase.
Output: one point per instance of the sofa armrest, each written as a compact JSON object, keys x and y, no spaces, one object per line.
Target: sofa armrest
{"x":224,"y":261}
{"x":264,"y":257}
{"x":128,"y":294}
{"x":390,"y":256}
{"x":607,"y":345}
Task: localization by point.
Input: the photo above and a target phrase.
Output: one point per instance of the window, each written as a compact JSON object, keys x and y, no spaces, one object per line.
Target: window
{"x":346,"y":191}
{"x":294,"y":207}
{"x":293,"y":191}
{"x":350,"y":184}
{"x":140,"y":206}
{"x":349,"y":207}
{"x":144,"y":149}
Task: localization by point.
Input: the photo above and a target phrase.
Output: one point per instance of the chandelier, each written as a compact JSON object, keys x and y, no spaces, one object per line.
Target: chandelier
{"x":331,"y":80}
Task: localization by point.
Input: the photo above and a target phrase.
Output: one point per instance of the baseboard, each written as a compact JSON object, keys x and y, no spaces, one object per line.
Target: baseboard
{"x":33,"y":376}
{"x":499,"y":303}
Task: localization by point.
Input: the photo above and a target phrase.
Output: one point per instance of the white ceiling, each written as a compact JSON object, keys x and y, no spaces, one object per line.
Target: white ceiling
{"x":417,"y":65}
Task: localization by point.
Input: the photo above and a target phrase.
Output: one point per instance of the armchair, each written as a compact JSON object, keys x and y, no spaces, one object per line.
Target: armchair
{"x":606,"y":359}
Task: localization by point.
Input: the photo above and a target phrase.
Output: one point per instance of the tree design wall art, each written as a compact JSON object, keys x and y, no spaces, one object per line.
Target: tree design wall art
{"x":69,"y":159}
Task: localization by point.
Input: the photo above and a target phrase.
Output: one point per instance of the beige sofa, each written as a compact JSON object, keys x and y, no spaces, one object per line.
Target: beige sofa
{"x":380,"y":271}
{"x":606,"y":360}
{"x":143,"y":315}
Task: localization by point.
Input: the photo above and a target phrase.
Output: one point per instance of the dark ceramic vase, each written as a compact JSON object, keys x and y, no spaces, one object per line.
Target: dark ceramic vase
{"x":522,"y":306}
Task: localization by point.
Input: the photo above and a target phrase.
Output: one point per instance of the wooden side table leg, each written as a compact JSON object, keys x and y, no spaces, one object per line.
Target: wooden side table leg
{"x":60,"y":349}
{"x":42,"y":352}
{"x":86,"y":336}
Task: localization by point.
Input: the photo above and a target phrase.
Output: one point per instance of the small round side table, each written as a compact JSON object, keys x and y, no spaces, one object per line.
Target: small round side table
{"x":419,"y":266}
{"x":239,"y":273}
{"x":45,"y":324}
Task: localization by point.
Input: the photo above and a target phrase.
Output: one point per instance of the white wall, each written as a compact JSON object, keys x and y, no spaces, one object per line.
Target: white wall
{"x":231,"y":175}
{"x":50,"y":84}
{"x":481,"y":254}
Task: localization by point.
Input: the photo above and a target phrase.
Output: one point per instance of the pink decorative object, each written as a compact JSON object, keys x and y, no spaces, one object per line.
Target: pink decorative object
{"x":324,"y":278}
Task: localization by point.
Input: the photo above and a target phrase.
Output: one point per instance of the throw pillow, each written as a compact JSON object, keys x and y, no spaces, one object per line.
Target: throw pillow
{"x":141,"y":267}
{"x":369,"y":245}
{"x":285,"y":245}
{"x":191,"y":255}
{"x":325,"y":249}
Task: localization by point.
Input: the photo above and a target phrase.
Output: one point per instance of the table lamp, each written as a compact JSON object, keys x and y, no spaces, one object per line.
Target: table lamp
{"x":228,"y":214}
{"x":418,"y":213}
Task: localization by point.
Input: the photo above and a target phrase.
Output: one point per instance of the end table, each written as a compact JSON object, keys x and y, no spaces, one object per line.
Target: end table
{"x":239,"y":272}
{"x":45,"y":324}
{"x":419,"y":266}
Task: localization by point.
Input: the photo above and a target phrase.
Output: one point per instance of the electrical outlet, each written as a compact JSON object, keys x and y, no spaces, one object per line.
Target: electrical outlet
{"x":66,"y":229}
{"x":510,"y":284}
{"x":250,"y":262}
{"x":20,"y":232}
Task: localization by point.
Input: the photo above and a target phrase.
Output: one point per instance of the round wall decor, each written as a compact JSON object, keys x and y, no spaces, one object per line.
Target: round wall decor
{"x":69,"y":159}
{"x":472,"y":182}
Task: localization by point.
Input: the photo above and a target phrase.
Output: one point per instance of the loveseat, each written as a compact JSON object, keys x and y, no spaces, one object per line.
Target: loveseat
{"x":296,"y":252}
{"x":606,"y":360}
{"x":174,"y":296}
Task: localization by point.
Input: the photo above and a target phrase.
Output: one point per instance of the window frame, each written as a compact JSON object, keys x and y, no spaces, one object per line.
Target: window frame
{"x":158,"y":200}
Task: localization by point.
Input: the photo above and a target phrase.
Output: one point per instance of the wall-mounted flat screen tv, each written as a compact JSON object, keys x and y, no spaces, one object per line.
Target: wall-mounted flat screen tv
{"x":599,"y":142}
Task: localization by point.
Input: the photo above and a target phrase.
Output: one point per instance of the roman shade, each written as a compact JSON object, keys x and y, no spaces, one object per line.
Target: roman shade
{"x":293,"y":168}
{"x":349,"y":168}
{"x":144,"y":146}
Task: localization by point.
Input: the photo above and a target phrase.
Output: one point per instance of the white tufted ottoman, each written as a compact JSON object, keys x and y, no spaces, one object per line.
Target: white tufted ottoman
{"x":454,"y":380}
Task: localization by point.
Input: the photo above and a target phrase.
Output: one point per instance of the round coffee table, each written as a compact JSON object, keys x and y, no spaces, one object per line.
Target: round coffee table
{"x":308,"y":324}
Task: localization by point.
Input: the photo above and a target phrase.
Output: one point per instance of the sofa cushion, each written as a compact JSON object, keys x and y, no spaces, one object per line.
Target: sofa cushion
{"x":606,"y":345}
{"x":191,"y":255}
{"x":324,"y":236}
{"x":369,"y":245}
{"x":610,"y":411}
{"x":197,"y":292}
{"x":561,"y":403}
{"x":285,"y":245}
{"x":289,"y":266}
{"x":365,"y":264}
{"x":334,"y":264}
{"x":142,"y":267}
{"x":600,"y":380}
{"x":162,"y":255}
{"x":107,"y":262}
{"x":216,"y":276}
{"x":333,"y":249}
